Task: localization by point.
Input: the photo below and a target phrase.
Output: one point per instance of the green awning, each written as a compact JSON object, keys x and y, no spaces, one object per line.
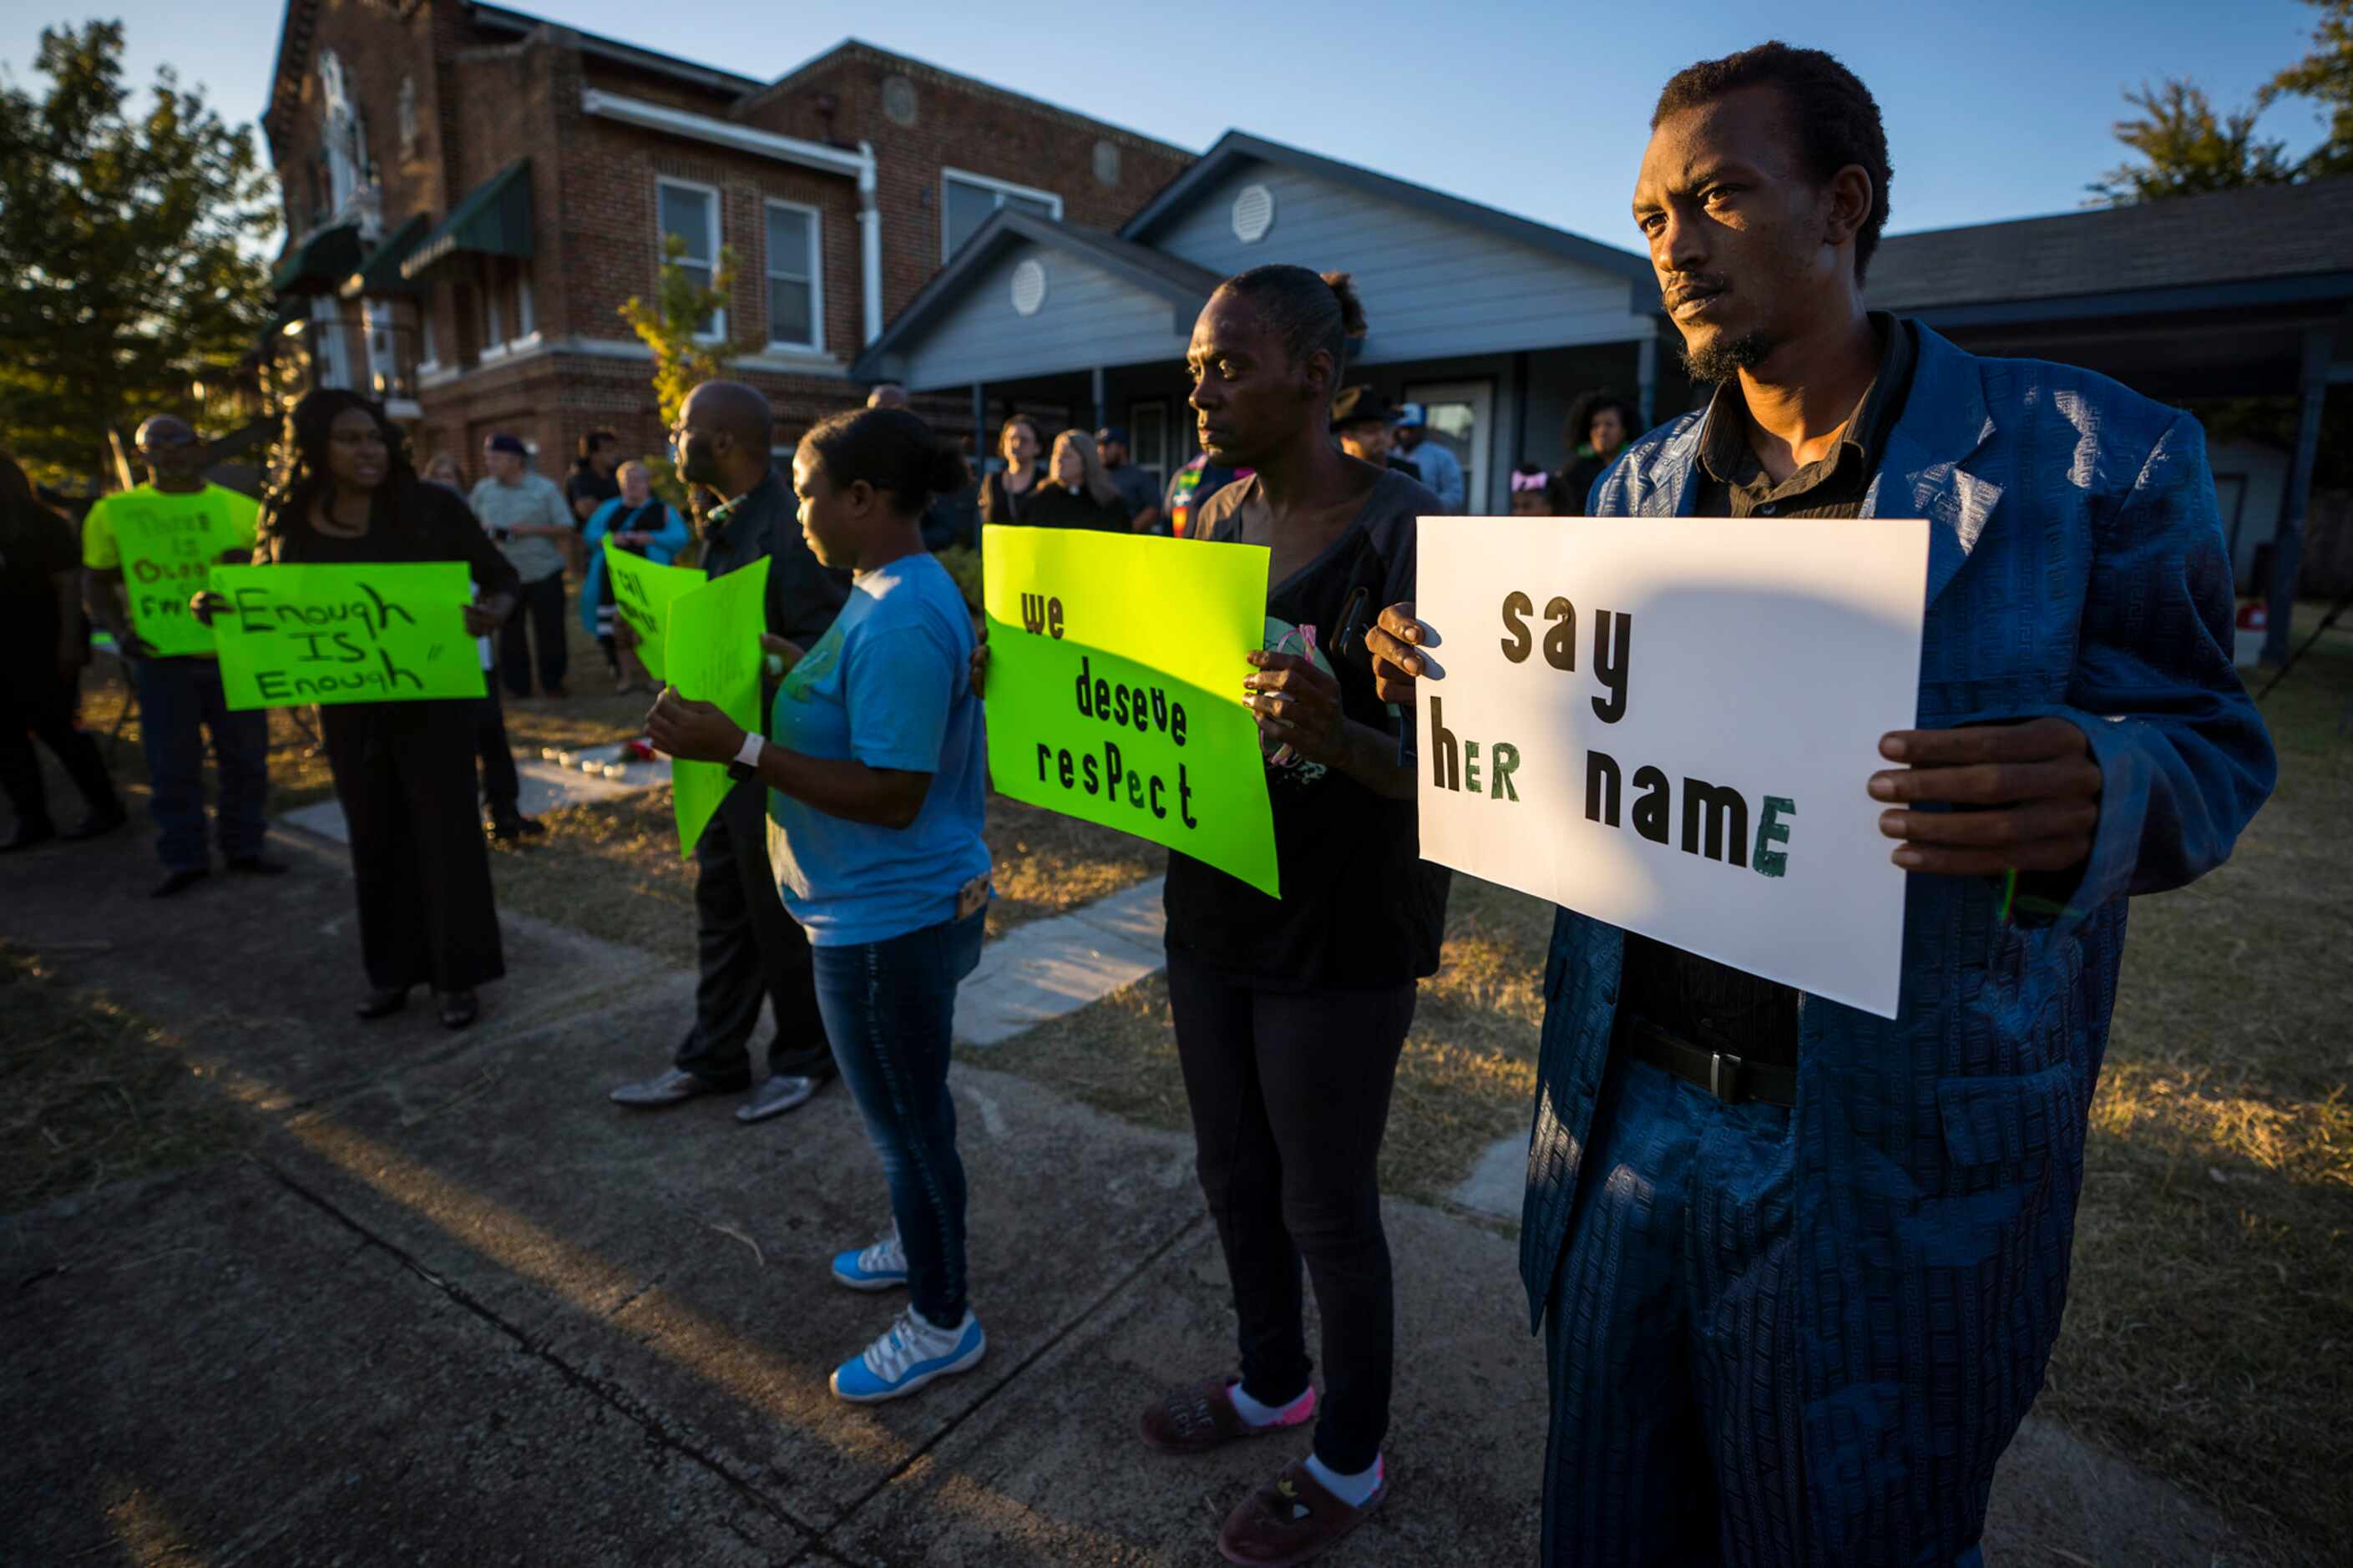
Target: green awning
{"x":320,"y":262}
{"x":379,"y":274}
{"x":493,"y":220}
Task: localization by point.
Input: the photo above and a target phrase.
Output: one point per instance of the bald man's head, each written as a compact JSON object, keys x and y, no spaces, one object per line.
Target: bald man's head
{"x":722,"y":436}
{"x":890,"y":394}
{"x":174,"y":455}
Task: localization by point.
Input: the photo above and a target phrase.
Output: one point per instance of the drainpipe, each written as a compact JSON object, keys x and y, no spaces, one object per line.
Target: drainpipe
{"x":870,"y":242}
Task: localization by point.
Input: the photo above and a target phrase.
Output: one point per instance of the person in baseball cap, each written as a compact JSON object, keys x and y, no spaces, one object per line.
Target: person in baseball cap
{"x":1138,"y":492}
{"x":1442,"y":471}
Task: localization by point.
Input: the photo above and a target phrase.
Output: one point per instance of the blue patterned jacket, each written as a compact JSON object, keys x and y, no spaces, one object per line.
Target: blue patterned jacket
{"x":2076,"y":568}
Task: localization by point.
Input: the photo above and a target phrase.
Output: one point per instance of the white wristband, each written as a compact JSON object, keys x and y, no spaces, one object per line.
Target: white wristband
{"x":749,"y":752}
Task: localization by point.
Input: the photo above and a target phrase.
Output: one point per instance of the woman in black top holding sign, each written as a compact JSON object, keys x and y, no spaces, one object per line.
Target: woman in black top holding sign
{"x":404,"y":771}
{"x":1289,"y":1033}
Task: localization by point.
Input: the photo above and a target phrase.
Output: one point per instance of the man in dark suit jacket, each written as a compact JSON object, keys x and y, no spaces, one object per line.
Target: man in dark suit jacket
{"x":748,"y":947}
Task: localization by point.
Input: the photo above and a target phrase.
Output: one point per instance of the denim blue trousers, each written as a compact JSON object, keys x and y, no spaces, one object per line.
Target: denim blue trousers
{"x":179,"y":701}
{"x":889,"y":1009}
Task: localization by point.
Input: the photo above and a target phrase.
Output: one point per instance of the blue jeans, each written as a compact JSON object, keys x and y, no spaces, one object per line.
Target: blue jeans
{"x":889,"y":1007}
{"x":179,"y":701}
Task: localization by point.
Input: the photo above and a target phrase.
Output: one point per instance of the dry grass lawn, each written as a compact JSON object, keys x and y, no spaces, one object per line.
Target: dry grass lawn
{"x":1465,"y":1077}
{"x":2209,"y":1326}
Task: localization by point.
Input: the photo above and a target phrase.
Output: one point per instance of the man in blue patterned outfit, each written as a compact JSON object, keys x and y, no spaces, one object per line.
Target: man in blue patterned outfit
{"x":1800,"y":1268}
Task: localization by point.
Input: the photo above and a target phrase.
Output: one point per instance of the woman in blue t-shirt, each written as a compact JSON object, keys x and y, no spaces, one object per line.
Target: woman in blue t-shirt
{"x":875,"y":761}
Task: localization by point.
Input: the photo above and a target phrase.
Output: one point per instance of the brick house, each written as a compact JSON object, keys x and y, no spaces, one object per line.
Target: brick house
{"x":471,"y":193}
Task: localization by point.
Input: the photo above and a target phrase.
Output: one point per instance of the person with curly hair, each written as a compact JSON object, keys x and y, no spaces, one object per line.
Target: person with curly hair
{"x":346,"y":495}
{"x":1600,"y":426}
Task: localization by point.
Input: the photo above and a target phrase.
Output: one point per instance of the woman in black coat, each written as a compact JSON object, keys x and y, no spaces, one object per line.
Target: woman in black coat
{"x":1005,"y":497}
{"x":404,"y":771}
{"x":1077,"y":491}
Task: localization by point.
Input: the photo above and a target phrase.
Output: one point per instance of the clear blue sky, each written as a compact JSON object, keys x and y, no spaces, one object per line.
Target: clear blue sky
{"x":1995,"y":109}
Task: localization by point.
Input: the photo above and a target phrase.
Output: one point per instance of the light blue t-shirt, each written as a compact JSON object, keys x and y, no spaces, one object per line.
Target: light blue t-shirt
{"x":891,"y":686}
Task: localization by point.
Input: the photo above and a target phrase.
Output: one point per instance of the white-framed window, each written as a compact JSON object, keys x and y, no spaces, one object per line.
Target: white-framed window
{"x":1147,"y":436}
{"x":966,"y":199}
{"x":691,"y":211}
{"x":494,"y":320}
{"x":526,"y":318}
{"x":330,"y":361}
{"x":795,"y":276}
{"x":429,"y":358}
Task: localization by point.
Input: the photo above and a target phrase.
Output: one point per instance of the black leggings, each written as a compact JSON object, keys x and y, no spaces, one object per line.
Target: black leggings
{"x":1290,"y":1093}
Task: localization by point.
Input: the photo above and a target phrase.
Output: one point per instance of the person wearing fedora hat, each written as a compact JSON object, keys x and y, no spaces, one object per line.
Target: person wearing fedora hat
{"x":1365,"y":425}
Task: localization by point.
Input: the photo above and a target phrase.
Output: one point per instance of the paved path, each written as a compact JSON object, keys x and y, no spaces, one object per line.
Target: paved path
{"x":451,"y":1307}
{"x":546,"y":785}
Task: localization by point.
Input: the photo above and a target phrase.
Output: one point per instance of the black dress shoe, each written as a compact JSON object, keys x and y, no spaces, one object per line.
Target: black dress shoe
{"x":255,"y":865}
{"x":459,"y":1008}
{"x":179,"y":882}
{"x":507,"y":832}
{"x":29,"y":834}
{"x":383,"y":1004}
{"x":675,"y":1087}
{"x":104,"y":820}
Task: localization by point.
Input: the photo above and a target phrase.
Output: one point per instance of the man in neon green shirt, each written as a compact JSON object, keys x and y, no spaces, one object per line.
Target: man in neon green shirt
{"x":144,"y":553}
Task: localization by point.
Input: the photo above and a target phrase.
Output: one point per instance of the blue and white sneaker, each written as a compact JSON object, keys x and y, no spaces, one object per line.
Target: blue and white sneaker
{"x":910,"y":1355}
{"x":876,"y":1268}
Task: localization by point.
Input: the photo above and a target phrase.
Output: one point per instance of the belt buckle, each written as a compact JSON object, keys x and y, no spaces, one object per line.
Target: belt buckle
{"x":1723,"y":1076}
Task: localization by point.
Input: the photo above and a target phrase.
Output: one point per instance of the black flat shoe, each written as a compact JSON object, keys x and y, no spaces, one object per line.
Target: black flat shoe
{"x":179,"y":882}
{"x":96,"y":823}
{"x":381,"y":1004}
{"x":26,"y":836}
{"x":459,"y":1008}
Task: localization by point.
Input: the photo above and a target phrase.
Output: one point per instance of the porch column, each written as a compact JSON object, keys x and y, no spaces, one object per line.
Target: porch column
{"x":2287,"y":544}
{"x":1646,"y":381}
{"x":979,"y":424}
{"x":1102,"y":398}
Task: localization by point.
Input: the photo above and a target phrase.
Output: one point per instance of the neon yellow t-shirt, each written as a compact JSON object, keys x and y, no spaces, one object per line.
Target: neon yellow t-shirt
{"x":165,"y":546}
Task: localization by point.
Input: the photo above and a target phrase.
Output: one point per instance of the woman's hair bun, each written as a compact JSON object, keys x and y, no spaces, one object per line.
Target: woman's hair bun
{"x":1352,"y":310}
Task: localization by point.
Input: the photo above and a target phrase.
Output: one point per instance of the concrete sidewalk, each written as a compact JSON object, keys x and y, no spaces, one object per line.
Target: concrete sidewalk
{"x":452,"y":1307}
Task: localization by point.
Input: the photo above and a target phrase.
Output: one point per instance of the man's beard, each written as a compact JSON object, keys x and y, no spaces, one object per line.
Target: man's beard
{"x":1725,"y":358}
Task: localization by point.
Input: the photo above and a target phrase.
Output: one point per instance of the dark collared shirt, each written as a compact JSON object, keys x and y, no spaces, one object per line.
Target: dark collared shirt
{"x":1707,"y":1003}
{"x":803,"y":596}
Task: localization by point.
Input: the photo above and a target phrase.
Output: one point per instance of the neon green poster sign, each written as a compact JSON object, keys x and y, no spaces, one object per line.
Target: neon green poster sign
{"x":292,"y":634}
{"x":642,"y":593}
{"x":1115,"y":695}
{"x":714,"y":657}
{"x":169,"y":545}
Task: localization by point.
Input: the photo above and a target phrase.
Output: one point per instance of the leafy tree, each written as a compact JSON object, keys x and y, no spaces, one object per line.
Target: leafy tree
{"x":2325,"y":75}
{"x":2187,"y":150}
{"x":131,"y":252}
{"x":683,"y":359}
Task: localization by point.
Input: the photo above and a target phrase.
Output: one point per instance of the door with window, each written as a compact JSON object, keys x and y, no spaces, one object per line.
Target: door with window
{"x":1462,"y":419}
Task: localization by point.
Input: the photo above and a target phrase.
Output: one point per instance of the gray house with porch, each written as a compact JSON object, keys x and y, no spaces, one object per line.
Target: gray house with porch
{"x":1494,"y":322}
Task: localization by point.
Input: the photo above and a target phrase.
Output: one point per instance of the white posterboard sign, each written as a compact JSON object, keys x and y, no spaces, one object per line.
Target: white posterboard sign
{"x":1670,"y":724}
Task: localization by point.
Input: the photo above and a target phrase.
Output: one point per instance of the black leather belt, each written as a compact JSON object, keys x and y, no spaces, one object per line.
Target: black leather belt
{"x":1728,"y":1077}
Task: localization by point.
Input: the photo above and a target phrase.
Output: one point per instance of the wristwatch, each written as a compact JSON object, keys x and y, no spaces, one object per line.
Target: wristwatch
{"x":746,"y":764}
